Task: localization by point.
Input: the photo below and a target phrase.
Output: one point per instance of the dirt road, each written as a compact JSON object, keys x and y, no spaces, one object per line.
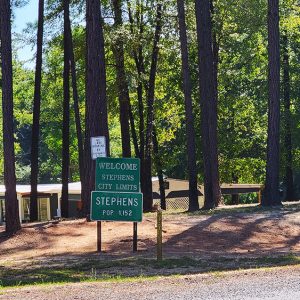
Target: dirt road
{"x":278,"y":283}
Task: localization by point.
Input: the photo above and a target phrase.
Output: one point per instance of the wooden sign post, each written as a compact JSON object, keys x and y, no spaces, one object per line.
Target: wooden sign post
{"x":159,"y":235}
{"x":99,"y":236}
{"x":98,"y":149}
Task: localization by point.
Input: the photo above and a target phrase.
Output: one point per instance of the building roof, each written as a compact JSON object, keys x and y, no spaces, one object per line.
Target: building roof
{"x":181,"y":185}
{"x":74,"y":188}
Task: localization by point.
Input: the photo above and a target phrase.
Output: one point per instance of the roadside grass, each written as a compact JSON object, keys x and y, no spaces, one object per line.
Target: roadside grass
{"x":132,"y":269}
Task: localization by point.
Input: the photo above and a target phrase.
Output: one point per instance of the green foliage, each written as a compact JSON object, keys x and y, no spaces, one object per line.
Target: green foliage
{"x":240,"y":28}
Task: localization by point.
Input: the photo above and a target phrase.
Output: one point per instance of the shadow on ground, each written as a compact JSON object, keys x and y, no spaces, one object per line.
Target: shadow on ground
{"x":229,"y":234}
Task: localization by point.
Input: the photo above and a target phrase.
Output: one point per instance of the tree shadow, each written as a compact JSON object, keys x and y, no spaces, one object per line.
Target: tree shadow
{"x":239,"y":233}
{"x":29,"y":237}
{"x":220,"y":234}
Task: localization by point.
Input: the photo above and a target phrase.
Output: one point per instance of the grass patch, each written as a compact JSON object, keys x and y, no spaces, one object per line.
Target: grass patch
{"x":133,"y":269}
{"x":5,"y":284}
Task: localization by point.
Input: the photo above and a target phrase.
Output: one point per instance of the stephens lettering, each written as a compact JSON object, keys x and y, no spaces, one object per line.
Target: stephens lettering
{"x":116,"y":201}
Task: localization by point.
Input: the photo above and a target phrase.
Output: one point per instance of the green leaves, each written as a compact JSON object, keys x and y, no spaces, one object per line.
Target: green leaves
{"x":241,"y":33}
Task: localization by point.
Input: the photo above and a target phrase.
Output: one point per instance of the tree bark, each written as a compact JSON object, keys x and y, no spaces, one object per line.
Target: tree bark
{"x":76,"y":104}
{"x":36,"y":115}
{"x":159,"y":171}
{"x":287,"y":122}
{"x":208,"y":104}
{"x":216,"y":47}
{"x":66,"y":114}
{"x":12,"y":220}
{"x":146,"y":137}
{"x":138,"y":59}
{"x":271,"y":194}
{"x":96,"y":122}
{"x":189,"y":117}
{"x":133,"y":133}
{"x":147,"y":182}
{"x":124,"y":100}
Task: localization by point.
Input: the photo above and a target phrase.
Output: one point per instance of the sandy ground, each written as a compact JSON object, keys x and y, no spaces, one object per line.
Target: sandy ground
{"x":226,"y":234}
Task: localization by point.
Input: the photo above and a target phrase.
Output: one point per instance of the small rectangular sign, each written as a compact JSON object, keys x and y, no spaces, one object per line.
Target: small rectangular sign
{"x":110,"y":206}
{"x":98,"y":147}
{"x":118,"y":174}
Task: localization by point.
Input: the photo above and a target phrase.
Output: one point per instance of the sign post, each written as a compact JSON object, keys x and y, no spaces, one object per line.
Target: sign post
{"x":159,"y":235}
{"x":98,"y":236}
{"x":117,"y":196}
{"x":98,"y":149}
{"x":134,"y":245}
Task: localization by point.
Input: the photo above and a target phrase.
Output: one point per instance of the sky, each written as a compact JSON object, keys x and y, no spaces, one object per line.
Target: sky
{"x":23,"y":16}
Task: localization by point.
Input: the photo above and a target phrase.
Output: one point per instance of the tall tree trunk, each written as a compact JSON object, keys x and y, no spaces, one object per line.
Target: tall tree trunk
{"x":66,"y":114}
{"x":141,"y":118}
{"x":138,"y":59}
{"x":216,"y":47}
{"x":287,"y":121}
{"x":189,"y":118}
{"x":146,"y":138}
{"x":208,"y":104}
{"x":271,"y":194}
{"x":36,"y":115}
{"x":159,"y":171}
{"x":133,"y":133}
{"x":96,"y":122}
{"x":76,"y":104}
{"x":124,"y":100}
{"x":11,"y":203}
{"x":139,"y":63}
{"x":147,"y":180}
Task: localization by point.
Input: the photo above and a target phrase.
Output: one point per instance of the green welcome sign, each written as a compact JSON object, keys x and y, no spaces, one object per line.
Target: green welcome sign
{"x":117,"y":196}
{"x":118,"y":174}
{"x":112,"y":206}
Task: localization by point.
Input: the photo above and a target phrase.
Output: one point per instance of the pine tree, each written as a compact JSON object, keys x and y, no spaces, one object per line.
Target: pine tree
{"x":271,"y":193}
{"x":36,"y":115}
{"x":189,"y":118}
{"x":96,"y":122}
{"x":12,"y":221}
{"x":208,"y":104}
{"x":66,"y":113}
{"x":122,"y":85}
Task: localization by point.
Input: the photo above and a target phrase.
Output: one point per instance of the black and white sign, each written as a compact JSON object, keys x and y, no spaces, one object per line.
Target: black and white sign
{"x":98,"y":147}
